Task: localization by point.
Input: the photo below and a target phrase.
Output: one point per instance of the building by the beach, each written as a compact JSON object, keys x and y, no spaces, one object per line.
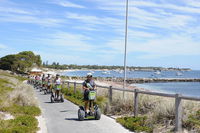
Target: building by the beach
{"x":36,"y":71}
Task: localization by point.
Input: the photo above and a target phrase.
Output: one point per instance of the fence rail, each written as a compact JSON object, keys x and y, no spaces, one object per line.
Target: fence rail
{"x":178,"y":100}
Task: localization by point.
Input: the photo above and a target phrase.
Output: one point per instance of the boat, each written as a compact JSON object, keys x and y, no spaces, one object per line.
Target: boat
{"x":105,"y":72}
{"x":157,"y":72}
{"x":121,"y":71}
{"x":179,"y":74}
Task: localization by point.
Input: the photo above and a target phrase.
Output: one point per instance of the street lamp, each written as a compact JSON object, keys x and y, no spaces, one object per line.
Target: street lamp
{"x":125,"y":52}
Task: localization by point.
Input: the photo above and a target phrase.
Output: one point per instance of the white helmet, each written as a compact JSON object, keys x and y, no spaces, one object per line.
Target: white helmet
{"x":89,"y":74}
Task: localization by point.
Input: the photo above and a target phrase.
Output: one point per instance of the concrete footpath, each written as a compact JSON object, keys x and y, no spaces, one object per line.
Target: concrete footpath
{"x":62,"y":118}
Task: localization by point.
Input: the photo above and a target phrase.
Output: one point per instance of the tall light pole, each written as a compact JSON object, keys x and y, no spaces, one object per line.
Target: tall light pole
{"x":125,"y":52}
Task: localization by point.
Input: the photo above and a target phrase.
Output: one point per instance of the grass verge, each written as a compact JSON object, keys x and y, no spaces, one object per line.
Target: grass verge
{"x":11,"y":92}
{"x":136,"y":124}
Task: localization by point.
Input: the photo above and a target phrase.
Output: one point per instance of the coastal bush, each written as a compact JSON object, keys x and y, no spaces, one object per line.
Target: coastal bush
{"x":21,"y":124}
{"x":17,"y":110}
{"x":119,"y":107}
{"x":76,"y":98}
{"x":18,"y":100}
{"x":136,"y":124}
{"x":4,"y":87}
{"x":22,"y":95}
{"x":193,"y":122}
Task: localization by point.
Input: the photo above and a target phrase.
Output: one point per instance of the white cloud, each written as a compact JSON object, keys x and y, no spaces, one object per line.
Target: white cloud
{"x":66,"y":3}
{"x":170,"y":21}
{"x":194,"y":3}
{"x":46,"y":22}
{"x":162,"y":47}
{"x":14,"y":10}
{"x":118,"y":5}
{"x":75,"y":42}
{"x":166,"y":5}
{"x":95,"y":20}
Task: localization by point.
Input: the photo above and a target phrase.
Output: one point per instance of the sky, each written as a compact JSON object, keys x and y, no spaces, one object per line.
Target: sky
{"x":160,"y":32}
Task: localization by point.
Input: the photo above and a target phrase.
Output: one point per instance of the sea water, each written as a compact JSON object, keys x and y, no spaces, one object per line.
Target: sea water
{"x":136,"y":74}
{"x":184,"y":88}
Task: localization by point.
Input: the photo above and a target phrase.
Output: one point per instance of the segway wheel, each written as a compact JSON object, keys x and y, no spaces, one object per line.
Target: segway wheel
{"x":45,"y":92}
{"x":97,"y":114}
{"x":81,"y":115}
{"x":52,"y":99}
{"x":62,"y":99}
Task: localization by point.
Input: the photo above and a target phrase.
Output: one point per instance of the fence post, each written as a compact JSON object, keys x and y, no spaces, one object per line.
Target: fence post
{"x":74,"y":87}
{"x":136,"y":101}
{"x":110,"y":94}
{"x":68,"y":85}
{"x":178,"y":113}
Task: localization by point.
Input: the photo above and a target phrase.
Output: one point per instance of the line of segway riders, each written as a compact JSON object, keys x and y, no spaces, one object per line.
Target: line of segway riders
{"x":48,"y":85}
{"x":52,"y":85}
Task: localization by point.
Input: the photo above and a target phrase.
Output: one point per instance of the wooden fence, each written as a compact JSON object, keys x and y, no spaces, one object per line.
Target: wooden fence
{"x":178,"y":100}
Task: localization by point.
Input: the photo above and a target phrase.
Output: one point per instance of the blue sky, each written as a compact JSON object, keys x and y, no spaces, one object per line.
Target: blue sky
{"x":161,"y":32}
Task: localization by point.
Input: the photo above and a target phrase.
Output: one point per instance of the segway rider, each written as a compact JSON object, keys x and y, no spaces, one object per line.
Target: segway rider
{"x":57,"y":83}
{"x":40,"y":81}
{"x":49,"y":83}
{"x":43,"y":80}
{"x":88,"y":85}
{"x":37,"y":80}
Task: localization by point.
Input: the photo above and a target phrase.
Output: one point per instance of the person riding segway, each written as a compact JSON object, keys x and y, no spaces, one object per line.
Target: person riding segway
{"x":89,"y":96}
{"x":49,"y":85}
{"x":57,"y":95}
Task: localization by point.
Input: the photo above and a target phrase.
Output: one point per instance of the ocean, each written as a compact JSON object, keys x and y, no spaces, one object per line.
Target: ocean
{"x":184,"y":88}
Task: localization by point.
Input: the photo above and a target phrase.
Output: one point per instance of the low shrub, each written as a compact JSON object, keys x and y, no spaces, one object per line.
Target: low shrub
{"x":23,"y":95}
{"x":17,"y":110}
{"x":76,"y":98}
{"x":4,"y":88}
{"x":21,"y":124}
{"x":18,"y":100}
{"x":136,"y":124}
{"x":193,"y":122}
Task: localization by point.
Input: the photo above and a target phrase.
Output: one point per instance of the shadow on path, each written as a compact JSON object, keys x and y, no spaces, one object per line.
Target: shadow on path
{"x":76,"y":119}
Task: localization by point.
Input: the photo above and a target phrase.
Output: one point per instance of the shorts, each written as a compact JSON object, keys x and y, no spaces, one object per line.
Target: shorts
{"x":86,"y":94}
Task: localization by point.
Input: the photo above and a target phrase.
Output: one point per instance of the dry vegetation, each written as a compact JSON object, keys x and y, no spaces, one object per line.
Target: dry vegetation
{"x":17,"y":99}
{"x":160,"y":111}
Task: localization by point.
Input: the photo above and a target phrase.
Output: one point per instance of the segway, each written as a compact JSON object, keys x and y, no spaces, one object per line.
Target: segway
{"x":97,"y":112}
{"x":48,"y":88}
{"x":53,"y":98}
{"x":45,"y":90}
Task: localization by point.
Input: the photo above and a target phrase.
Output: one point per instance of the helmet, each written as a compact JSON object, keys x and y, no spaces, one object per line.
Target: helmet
{"x":89,"y":74}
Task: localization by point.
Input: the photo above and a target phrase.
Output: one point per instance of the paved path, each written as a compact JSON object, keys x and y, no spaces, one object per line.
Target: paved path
{"x":62,"y":118}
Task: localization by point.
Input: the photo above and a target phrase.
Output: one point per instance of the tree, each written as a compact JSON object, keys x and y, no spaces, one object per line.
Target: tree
{"x":20,"y":62}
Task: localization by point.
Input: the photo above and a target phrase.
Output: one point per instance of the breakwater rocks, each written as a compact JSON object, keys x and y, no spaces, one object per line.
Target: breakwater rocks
{"x":140,"y":80}
{"x":156,"y":80}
